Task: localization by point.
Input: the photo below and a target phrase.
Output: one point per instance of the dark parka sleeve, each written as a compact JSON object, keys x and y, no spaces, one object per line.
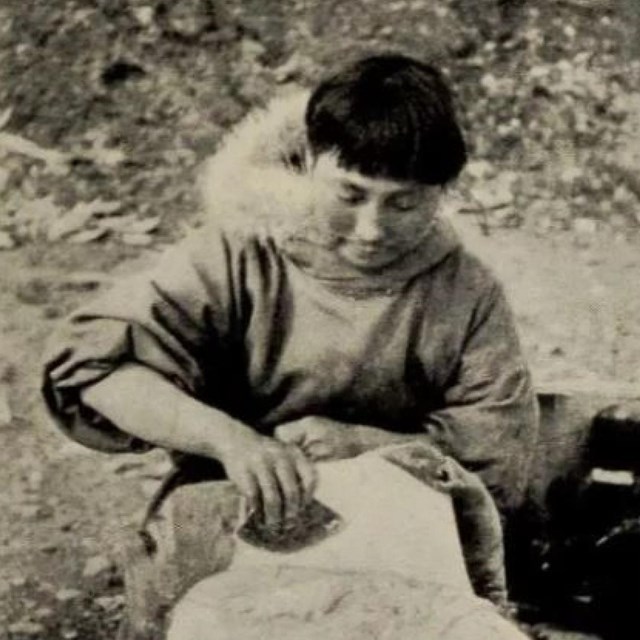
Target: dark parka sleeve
{"x":489,"y":418}
{"x":168,"y":320}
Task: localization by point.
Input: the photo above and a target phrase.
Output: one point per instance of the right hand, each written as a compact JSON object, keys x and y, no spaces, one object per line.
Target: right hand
{"x":275,"y":477}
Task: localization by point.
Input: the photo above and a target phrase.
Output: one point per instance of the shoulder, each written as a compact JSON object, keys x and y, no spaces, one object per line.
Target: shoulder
{"x":465,"y":278}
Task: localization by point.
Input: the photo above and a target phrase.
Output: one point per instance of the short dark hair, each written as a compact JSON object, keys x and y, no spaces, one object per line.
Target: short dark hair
{"x":388,"y":116}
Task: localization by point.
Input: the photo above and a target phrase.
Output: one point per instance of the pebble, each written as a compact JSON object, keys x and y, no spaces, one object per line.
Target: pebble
{"x":137,"y":239}
{"x":6,"y":241}
{"x":4,"y":178}
{"x":18,"y":582}
{"x":28,"y":511}
{"x":97,"y":565}
{"x":67,"y":595}
{"x":144,"y":15}
{"x":88,"y":235}
{"x":6,"y":416}
{"x":69,"y":634}
{"x":43,"y":612}
{"x":33,"y":629}
{"x":585,"y":226}
{"x":110,"y":603}
{"x":49,"y":547}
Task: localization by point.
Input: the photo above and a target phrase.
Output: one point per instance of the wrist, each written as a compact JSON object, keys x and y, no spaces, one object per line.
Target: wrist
{"x":213,"y":433}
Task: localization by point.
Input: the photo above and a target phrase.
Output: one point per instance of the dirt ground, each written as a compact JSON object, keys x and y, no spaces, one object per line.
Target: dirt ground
{"x":137,"y":94}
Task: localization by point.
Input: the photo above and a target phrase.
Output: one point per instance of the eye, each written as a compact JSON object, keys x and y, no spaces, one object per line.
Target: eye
{"x":352,"y":197}
{"x":404,"y":201}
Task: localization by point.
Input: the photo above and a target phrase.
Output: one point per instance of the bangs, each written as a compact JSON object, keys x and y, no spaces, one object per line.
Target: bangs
{"x":400,"y":127}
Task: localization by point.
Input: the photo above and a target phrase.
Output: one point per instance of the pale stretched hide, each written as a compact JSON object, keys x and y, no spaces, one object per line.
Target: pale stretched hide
{"x":393,"y":569}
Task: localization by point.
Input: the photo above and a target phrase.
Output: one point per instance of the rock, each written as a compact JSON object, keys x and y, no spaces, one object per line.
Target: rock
{"x":34,"y":481}
{"x":144,"y":15}
{"x":6,"y":241}
{"x":26,"y":628}
{"x":144,"y":226}
{"x":43,"y":612}
{"x":4,"y":178}
{"x":585,"y":226}
{"x":188,"y":19}
{"x":480,"y":169}
{"x":67,"y":595}
{"x":88,"y":235}
{"x":69,"y":634}
{"x":110,"y":603}
{"x":6,"y":416}
{"x":497,"y":192}
{"x":296,"y":66}
{"x":97,"y":565}
{"x":137,"y":239}
{"x":18,"y":582}
{"x":28,"y":511}
{"x":76,"y":219}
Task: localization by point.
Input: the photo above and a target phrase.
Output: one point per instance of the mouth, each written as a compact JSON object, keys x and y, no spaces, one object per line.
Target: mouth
{"x":367,"y":249}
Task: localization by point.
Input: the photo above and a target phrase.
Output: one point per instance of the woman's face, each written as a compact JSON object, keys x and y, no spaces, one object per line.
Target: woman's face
{"x":369,"y":222}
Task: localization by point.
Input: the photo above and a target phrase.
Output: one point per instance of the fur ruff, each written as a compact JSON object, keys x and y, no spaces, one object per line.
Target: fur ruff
{"x":258,"y":178}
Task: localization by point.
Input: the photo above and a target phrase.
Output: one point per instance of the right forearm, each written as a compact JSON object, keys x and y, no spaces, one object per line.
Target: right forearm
{"x":144,"y":404}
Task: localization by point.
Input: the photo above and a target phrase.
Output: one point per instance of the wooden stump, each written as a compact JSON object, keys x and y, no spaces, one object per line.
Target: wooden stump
{"x":190,"y":538}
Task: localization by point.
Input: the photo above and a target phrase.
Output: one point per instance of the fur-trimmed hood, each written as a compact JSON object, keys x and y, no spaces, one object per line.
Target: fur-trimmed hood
{"x":258,"y":183}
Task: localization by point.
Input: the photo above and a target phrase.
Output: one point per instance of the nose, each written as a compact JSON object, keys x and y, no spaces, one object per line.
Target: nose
{"x":368,"y":227}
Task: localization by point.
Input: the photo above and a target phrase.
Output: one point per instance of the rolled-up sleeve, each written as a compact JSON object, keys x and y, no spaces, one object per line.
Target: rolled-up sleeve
{"x":489,"y":418}
{"x":171,"y":319}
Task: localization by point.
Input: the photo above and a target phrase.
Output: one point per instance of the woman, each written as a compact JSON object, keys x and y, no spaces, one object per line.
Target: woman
{"x":325,"y":310}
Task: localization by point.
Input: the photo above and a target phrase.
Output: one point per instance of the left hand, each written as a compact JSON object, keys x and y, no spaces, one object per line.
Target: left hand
{"x":320,"y":438}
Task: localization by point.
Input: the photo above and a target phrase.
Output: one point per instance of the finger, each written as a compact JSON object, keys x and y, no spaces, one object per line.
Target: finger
{"x":249,"y":490}
{"x":270,"y":498}
{"x":308,"y":475}
{"x":317,"y":450}
{"x":290,"y":488}
{"x":289,"y":434}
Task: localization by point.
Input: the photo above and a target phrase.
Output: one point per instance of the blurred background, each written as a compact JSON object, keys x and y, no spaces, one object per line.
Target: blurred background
{"x":107,"y":109}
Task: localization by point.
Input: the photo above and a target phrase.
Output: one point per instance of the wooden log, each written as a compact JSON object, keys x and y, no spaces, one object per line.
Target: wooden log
{"x":188,"y":539}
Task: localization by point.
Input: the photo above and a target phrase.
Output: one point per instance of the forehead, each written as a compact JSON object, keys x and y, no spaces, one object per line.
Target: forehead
{"x":327,"y":166}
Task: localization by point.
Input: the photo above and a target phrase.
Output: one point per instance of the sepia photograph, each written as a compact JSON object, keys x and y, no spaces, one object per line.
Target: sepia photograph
{"x":319,"y":320}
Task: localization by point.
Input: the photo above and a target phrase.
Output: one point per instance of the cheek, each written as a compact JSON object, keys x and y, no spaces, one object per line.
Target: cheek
{"x":334,"y":217}
{"x":410,"y":227}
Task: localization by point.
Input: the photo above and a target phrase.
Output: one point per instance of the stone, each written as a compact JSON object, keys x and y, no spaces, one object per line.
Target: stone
{"x":586,"y":226}
{"x":6,"y":241}
{"x":88,"y":235}
{"x":137,"y":239}
{"x":144,"y":15}
{"x":110,"y":603}
{"x":6,"y":415}
{"x":27,"y":628}
{"x":43,"y":612}
{"x":97,"y":565}
{"x":67,"y":595}
{"x":4,"y":178}
{"x":18,"y":582}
